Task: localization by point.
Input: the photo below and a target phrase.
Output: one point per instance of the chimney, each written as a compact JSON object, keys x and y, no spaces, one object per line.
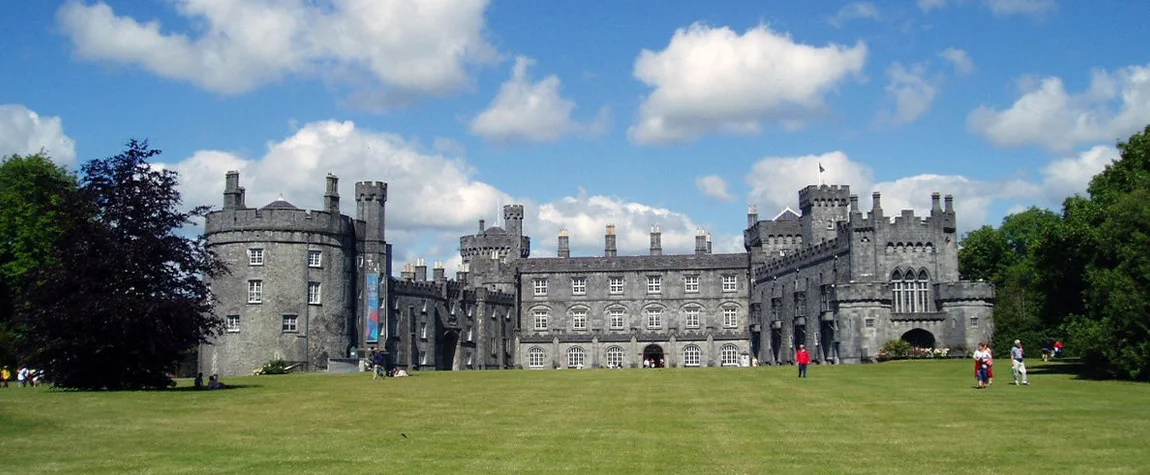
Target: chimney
{"x":420,"y":270}
{"x":949,"y":199}
{"x":564,"y":244}
{"x":481,"y":227}
{"x":876,"y":208}
{"x":408,"y":273}
{"x":854,"y":203}
{"x":461,"y":273}
{"x":233,"y":194}
{"x":752,"y":215}
{"x":656,"y":241}
{"x":437,"y":272}
{"x":708,"y":243}
{"x":700,"y":242}
{"x":609,"y":250}
{"x":331,"y":196}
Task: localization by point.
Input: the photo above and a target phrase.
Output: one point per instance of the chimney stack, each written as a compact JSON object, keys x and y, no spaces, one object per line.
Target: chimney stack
{"x":854,"y":203}
{"x":408,"y":273}
{"x":876,"y":207}
{"x":609,"y":249}
{"x":481,"y":227}
{"x":700,"y":242}
{"x":461,"y":273}
{"x":752,"y":215}
{"x":437,"y":272}
{"x":420,"y":271}
{"x":656,"y":241}
{"x":708,"y":243}
{"x":564,"y":244}
{"x":331,"y":196}
{"x":949,"y":199}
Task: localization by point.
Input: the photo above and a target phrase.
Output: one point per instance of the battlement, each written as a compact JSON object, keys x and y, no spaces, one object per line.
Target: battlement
{"x":411,"y":288}
{"x":965,"y":291}
{"x":292,"y":220}
{"x":370,"y":191}
{"x":512,"y":212}
{"x":824,"y":196}
{"x":806,"y":257}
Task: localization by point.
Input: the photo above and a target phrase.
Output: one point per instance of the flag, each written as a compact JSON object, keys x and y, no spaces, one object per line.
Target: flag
{"x":821,"y":167}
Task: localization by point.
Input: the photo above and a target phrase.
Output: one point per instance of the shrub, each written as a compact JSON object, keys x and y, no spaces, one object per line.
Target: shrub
{"x":273,"y":367}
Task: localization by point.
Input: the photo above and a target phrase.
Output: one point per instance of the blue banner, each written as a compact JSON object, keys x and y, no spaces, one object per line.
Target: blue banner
{"x":371,"y":298}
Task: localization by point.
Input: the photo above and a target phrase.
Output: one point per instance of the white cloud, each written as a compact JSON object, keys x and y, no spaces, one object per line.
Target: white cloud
{"x":1002,"y":8}
{"x":1116,"y":105}
{"x":406,"y":46}
{"x":854,"y":11}
{"x":775,"y":181}
{"x":972,"y":198}
{"x":527,"y":111}
{"x":715,"y":80}
{"x":714,"y":186}
{"x":1069,"y":176}
{"x":24,"y":132}
{"x":960,"y":59}
{"x":911,"y":91}
{"x":928,"y":5}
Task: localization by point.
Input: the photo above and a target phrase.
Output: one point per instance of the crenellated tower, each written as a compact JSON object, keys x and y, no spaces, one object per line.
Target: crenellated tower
{"x":823,"y":207}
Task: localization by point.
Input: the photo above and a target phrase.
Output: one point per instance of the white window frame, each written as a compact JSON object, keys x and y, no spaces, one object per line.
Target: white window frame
{"x":615,"y":355}
{"x":290,"y":323}
{"x":539,"y":286}
{"x":692,"y":356}
{"x":576,"y":357}
{"x":691,"y":317}
{"x":691,"y":284}
{"x":654,"y":284}
{"x":973,"y":322}
{"x":578,"y":286}
{"x":255,"y":291}
{"x":540,"y":319}
{"x":314,"y":258}
{"x":730,"y":283}
{"x":256,"y":256}
{"x":617,"y":317}
{"x":579,"y":319}
{"x":536,"y":356}
{"x":232,"y":322}
{"x":730,"y":316}
{"x":314,"y":293}
{"x":654,"y":317}
{"x":615,"y":285}
{"x":423,"y":330}
{"x":868,"y":323}
{"x":729,"y":355}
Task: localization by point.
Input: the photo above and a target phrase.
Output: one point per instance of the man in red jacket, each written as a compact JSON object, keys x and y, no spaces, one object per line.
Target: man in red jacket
{"x":803,"y":358}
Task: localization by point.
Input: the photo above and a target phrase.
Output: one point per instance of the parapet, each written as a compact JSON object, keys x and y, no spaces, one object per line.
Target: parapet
{"x":804,"y":258}
{"x":370,"y":191}
{"x":271,"y":219}
{"x":512,"y":212}
{"x":824,"y":195}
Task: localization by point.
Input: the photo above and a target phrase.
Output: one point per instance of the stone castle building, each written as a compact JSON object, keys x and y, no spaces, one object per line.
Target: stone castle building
{"x":314,"y":287}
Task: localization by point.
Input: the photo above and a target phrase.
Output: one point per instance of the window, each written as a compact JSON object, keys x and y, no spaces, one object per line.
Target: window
{"x":255,"y":257}
{"x":233,"y":322}
{"x":579,"y":319}
{"x":910,"y":292}
{"x":691,"y":283}
{"x":614,"y":357}
{"x":314,"y":258}
{"x":729,"y":355}
{"x":422,"y":357}
{"x":654,"y":317}
{"x":615,"y":285}
{"x":313,"y":293}
{"x":540,"y":286}
{"x":730,"y":284}
{"x":825,"y":298}
{"x":776,"y":309}
{"x":541,"y":319}
{"x":579,"y":285}
{"x":575,"y":357}
{"x":800,"y":304}
{"x":255,"y":291}
{"x":654,"y":284}
{"x":290,"y":323}
{"x":616,"y":315}
{"x":921,"y":294}
{"x":692,"y":317}
{"x":423,"y":330}
{"x":868,"y":323}
{"x":535,"y":357}
{"x":359,"y":261}
{"x":973,"y":322}
{"x":692,"y":355}
{"x":730,"y":316}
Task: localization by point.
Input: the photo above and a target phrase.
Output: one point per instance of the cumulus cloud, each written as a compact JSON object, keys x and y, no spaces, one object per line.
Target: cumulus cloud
{"x":528,"y":111}
{"x":1116,"y":105}
{"x":405,"y":46}
{"x":854,"y":11}
{"x":928,"y":5}
{"x":711,"y":79}
{"x":911,"y":92}
{"x":24,"y":132}
{"x":1003,"y":8}
{"x":960,"y":59}
{"x":1070,"y":176}
{"x":714,"y":186}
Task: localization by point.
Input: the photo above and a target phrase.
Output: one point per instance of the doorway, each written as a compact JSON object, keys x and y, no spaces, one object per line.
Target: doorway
{"x":919,"y":338}
{"x":654,"y":355}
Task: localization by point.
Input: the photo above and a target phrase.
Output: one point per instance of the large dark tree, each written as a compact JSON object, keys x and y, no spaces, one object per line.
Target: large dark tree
{"x":127,"y":300}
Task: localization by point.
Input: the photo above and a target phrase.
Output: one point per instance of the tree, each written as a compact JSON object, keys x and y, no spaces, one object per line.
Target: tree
{"x":130,"y":300}
{"x":32,"y":189}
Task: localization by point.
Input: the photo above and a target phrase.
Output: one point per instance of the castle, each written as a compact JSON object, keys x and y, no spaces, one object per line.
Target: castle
{"x":315,"y":287}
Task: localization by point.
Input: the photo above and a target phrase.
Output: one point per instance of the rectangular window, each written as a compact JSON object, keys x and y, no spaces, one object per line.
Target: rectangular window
{"x":825,"y":298}
{"x":616,"y":315}
{"x":255,"y":257}
{"x":233,"y":322}
{"x":290,"y":323}
{"x":313,"y":293}
{"x":691,"y":283}
{"x":800,"y":304}
{"x":615,"y":285}
{"x":654,"y":284}
{"x":868,"y":323}
{"x":255,"y":291}
{"x":423,"y":330}
{"x":973,"y":322}
{"x":579,"y":319}
{"x":314,"y":258}
{"x":776,"y":309}
{"x":730,"y":317}
{"x":654,"y":318}
{"x":540,"y":286}
{"x":730,"y":283}
{"x":692,"y":317}
{"x":359,"y":261}
{"x":541,"y":319}
{"x":578,"y":285}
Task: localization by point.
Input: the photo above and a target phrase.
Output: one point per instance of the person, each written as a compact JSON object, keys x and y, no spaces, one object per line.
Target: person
{"x":377,"y":364}
{"x":22,"y":375}
{"x":5,"y":375}
{"x":214,"y":382}
{"x":983,"y":362}
{"x":803,"y":358}
{"x":1058,"y":349}
{"x":1018,"y":367}
{"x":1047,"y":349}
{"x":199,"y":382}
{"x":990,"y":368}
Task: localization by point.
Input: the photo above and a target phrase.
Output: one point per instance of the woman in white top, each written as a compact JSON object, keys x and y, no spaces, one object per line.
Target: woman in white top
{"x":982,"y":362}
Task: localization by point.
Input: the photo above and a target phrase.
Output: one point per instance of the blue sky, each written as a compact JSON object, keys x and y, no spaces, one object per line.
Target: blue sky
{"x":676,"y":113}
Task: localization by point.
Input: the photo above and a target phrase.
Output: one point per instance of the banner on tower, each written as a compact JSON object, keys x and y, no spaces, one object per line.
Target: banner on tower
{"x":371,"y":313}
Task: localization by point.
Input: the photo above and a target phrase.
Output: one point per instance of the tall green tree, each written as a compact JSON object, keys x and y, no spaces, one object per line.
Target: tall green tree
{"x":130,"y":301}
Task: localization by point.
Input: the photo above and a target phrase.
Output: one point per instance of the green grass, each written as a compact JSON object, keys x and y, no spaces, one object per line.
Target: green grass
{"x":895,"y":417}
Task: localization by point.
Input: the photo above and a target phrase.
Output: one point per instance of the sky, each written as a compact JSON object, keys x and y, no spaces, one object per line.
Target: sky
{"x":673,"y":113}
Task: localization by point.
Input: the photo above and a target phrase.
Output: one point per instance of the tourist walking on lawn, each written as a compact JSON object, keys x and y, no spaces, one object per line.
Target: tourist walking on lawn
{"x":5,"y":375}
{"x":803,"y":358}
{"x":377,"y":364}
{"x":982,"y":363}
{"x":1016,"y":364}
{"x":22,"y":375}
{"x":1058,"y":349}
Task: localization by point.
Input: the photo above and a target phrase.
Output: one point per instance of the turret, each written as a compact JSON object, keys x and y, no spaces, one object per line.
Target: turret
{"x":513,"y":219}
{"x":331,"y":196}
{"x":233,"y":194}
{"x":700,"y":242}
{"x":752,"y":215}
{"x":370,"y":200}
{"x":876,"y":207}
{"x":656,"y":241}
{"x":822,"y":206}
{"x":609,"y":242}
{"x":564,"y":244}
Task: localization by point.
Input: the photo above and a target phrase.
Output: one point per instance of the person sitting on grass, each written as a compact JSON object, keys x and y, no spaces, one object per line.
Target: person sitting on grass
{"x":215,"y":383}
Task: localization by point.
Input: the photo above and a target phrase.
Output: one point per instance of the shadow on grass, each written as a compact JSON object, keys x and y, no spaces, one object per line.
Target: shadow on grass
{"x":1073,"y":366}
{"x":179,"y":389}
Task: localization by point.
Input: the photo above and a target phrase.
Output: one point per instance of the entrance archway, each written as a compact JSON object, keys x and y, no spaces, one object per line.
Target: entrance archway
{"x":446,"y":350}
{"x":919,"y":338}
{"x":654,"y":353}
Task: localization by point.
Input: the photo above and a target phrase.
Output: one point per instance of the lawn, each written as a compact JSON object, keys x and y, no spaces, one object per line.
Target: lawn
{"x":895,"y":417}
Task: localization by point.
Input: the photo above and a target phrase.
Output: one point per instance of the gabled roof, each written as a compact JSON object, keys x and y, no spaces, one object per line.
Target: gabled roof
{"x":787,"y":215}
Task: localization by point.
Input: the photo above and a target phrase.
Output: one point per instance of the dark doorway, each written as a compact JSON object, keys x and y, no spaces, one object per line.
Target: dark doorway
{"x":776,"y":343}
{"x":800,"y":339}
{"x":654,"y":355}
{"x":445,"y":353}
{"x":827,"y":341}
{"x":919,"y":338}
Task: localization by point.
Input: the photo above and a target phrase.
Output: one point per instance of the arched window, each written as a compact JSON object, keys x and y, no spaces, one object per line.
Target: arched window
{"x":576,"y":357}
{"x":729,"y":355}
{"x":896,"y":299}
{"x":691,"y":355}
{"x":535,"y":357}
{"x":614,"y":357}
{"x":921,"y":291}
{"x":908,"y":291}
